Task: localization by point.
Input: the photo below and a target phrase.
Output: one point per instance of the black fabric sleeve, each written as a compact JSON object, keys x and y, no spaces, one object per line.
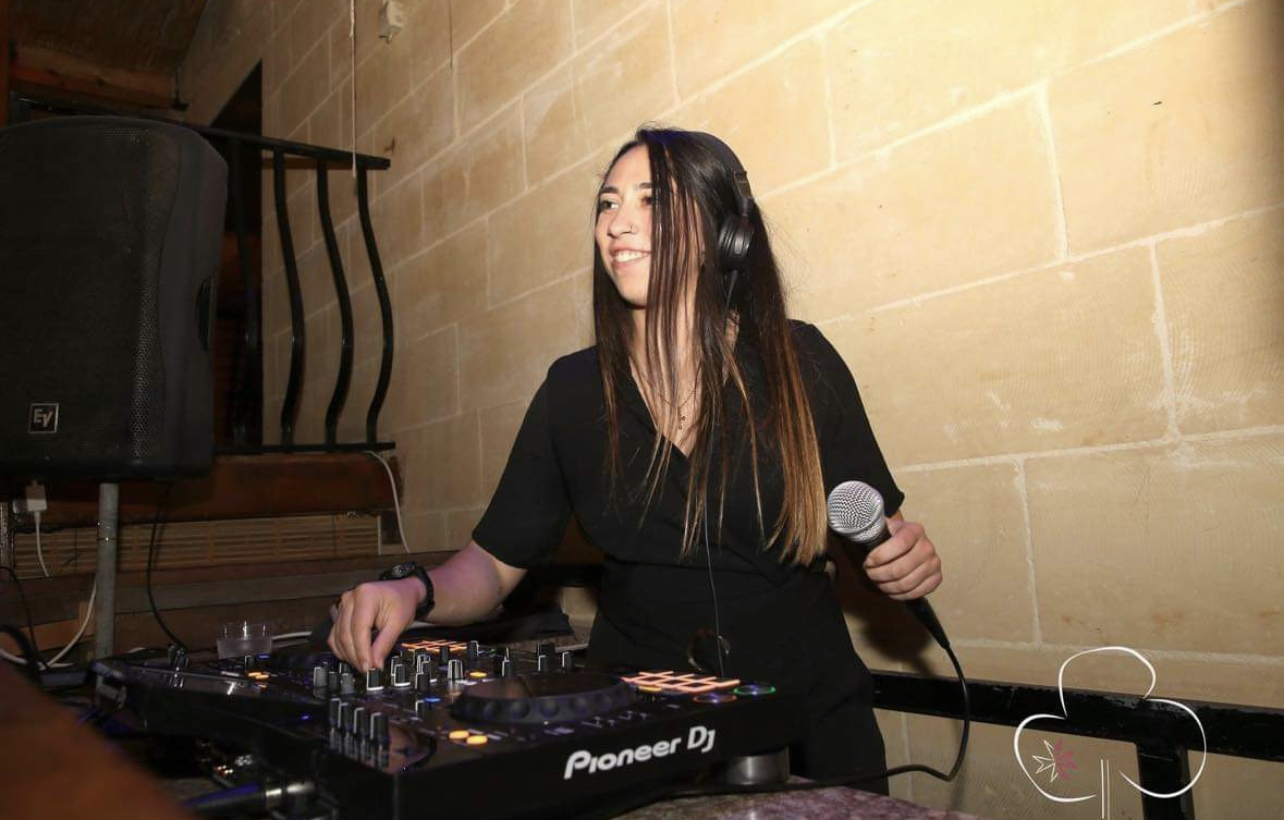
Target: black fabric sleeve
{"x":529,"y":512}
{"x":848,"y":449}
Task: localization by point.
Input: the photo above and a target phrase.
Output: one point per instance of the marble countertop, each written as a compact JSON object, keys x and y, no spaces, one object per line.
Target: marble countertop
{"x":823,"y":804}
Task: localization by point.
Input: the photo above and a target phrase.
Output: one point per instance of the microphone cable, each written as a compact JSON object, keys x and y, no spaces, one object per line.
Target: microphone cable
{"x":856,"y":513}
{"x":851,"y":780}
{"x":722,"y":648}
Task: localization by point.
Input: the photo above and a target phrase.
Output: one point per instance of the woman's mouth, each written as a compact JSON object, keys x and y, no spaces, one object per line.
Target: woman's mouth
{"x":626,"y":256}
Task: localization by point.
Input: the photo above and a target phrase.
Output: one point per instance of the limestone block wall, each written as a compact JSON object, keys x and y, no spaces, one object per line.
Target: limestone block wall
{"x":1046,"y":236}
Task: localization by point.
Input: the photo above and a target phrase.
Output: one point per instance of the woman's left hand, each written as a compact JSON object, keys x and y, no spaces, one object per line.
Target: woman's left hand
{"x":906,"y":565}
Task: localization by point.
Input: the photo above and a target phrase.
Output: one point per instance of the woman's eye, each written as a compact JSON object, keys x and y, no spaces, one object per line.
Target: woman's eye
{"x":604,"y":205}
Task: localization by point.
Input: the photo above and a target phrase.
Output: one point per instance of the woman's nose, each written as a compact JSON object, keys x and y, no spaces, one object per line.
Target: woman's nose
{"x":622,"y":223}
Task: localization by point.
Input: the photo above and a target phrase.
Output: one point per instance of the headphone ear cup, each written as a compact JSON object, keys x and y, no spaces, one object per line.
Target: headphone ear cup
{"x":734,"y":240}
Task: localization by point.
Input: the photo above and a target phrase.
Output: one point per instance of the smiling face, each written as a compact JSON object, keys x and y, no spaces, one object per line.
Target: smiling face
{"x":623,"y":230}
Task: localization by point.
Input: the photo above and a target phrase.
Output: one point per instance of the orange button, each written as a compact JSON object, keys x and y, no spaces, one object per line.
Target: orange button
{"x":477,"y":740}
{"x":459,"y":734}
{"x":478,"y":675}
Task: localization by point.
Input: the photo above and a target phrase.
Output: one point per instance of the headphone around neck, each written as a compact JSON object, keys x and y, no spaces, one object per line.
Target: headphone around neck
{"x":735,"y":235}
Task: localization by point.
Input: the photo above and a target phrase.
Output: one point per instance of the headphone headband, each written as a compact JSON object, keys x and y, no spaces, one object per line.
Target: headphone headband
{"x":739,"y":176}
{"x":736,"y":233}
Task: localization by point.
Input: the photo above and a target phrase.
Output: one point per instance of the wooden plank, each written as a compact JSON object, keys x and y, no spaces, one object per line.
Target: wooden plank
{"x":57,"y":598}
{"x":236,"y":487}
{"x":149,"y":35}
{"x":156,"y":86}
{"x":51,"y":635}
{"x":198,"y":627}
{"x":179,"y":544}
{"x":39,"y":81}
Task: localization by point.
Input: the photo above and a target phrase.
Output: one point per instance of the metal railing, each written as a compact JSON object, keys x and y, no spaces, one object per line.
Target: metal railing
{"x":1163,"y":735}
{"x":324,"y":159}
{"x":247,"y":390}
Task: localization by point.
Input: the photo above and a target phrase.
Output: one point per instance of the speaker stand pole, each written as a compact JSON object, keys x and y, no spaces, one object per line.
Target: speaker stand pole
{"x":105,"y":600}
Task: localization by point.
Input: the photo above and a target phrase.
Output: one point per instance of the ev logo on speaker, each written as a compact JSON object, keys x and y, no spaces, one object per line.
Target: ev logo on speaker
{"x":44,"y":419}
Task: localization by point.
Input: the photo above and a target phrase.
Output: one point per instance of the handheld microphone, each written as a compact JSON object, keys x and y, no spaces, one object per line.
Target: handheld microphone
{"x":856,"y":513}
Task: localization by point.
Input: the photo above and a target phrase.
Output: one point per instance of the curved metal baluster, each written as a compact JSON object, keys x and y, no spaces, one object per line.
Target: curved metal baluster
{"x":341,"y":383}
{"x":290,"y":407}
{"x":385,"y":309}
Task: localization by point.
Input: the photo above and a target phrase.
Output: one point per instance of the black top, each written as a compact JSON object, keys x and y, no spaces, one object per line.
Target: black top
{"x":557,"y":466}
{"x":780,"y":623}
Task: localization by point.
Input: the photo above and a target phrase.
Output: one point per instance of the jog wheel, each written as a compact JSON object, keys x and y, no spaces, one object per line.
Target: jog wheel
{"x":543,"y":698}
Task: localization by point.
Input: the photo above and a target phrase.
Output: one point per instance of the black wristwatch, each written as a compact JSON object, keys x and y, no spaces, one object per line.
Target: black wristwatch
{"x":399,"y":571}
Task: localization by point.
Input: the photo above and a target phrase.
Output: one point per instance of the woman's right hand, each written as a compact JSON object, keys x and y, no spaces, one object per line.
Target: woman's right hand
{"x":388,"y":606}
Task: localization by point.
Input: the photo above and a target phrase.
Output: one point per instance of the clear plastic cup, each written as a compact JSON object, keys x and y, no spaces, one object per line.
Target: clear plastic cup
{"x":236,"y":639}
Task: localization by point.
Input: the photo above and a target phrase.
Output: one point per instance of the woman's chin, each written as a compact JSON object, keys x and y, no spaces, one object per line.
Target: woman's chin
{"x":632,"y":291}
{"x":634,"y":301}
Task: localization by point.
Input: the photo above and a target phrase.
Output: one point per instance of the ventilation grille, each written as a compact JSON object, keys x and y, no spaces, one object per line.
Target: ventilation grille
{"x":205,"y":543}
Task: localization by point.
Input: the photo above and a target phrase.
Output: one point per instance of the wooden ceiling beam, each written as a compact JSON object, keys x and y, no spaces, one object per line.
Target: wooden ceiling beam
{"x":35,"y":70}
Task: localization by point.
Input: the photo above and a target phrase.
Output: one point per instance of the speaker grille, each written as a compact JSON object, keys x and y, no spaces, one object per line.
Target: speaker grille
{"x":92,"y":207}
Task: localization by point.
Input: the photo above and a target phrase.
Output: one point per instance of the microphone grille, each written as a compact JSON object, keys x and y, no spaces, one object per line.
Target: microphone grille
{"x":856,"y":510}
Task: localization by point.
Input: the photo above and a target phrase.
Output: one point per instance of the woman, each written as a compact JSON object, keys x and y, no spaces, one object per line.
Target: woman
{"x":696,"y":445}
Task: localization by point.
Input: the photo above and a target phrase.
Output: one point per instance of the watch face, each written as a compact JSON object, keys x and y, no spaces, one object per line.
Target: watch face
{"x":398,"y":571}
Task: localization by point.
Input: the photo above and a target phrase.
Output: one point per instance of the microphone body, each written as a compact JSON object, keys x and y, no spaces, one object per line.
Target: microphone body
{"x":856,"y":513}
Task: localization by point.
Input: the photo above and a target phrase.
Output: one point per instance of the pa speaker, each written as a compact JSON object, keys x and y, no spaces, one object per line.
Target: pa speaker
{"x":110,"y":233}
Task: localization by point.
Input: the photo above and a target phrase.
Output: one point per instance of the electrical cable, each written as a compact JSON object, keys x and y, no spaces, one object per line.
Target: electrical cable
{"x":151,"y":556}
{"x":396,"y":505}
{"x":26,"y":611}
{"x":30,"y":659}
{"x":828,"y":783}
{"x":253,"y":798}
{"x":89,"y":613}
{"x":236,"y":800}
{"x":853,"y":779}
{"x":53,"y":663}
{"x":722,"y":647}
{"x":40,"y":555}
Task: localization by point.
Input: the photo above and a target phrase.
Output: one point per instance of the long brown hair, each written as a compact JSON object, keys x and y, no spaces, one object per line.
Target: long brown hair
{"x":693,"y":194}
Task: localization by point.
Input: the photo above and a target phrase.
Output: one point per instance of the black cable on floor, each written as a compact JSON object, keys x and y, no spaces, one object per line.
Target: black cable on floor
{"x":26,"y":611}
{"x":32,"y":666}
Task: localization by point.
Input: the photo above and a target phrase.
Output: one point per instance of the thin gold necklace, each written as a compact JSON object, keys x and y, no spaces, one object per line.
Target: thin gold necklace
{"x":682,"y":417}
{"x":682,"y":405}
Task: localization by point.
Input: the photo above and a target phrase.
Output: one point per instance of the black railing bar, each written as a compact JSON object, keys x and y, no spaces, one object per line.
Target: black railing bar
{"x":1164,"y":769}
{"x":1232,"y":729}
{"x":289,"y":408}
{"x":341,"y":447}
{"x":385,"y":308}
{"x":336,"y":157}
{"x":243,"y":399}
{"x":341,"y":381}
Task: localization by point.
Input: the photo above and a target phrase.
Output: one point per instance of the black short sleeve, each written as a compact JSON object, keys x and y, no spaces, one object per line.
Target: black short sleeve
{"x":848,"y":449}
{"x":528,"y":514}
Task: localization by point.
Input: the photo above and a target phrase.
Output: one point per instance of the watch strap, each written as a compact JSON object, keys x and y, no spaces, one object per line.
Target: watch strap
{"x":406,"y":570}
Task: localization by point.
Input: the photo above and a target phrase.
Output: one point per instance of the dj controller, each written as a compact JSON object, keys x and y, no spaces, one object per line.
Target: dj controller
{"x":445,"y":726}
